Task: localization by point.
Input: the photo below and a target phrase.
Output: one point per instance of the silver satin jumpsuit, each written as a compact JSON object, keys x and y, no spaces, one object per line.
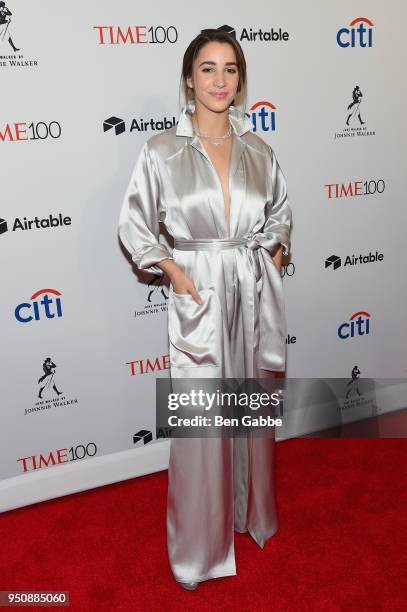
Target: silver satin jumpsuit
{"x":215,"y":485}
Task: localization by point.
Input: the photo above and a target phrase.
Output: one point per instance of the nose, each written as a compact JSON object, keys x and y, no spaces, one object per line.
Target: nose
{"x":220,"y":80}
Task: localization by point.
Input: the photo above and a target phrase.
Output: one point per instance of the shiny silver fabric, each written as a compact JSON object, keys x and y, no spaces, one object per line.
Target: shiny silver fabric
{"x":215,"y":486}
{"x":272,"y":323}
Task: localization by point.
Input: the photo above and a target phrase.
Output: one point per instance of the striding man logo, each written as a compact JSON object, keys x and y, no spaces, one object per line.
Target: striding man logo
{"x":354,"y":106}
{"x":6,"y":27}
{"x":48,"y":378}
{"x":353,"y":384}
{"x":156,"y":285}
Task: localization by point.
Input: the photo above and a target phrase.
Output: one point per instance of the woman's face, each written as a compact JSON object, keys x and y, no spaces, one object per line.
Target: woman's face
{"x":215,"y":76}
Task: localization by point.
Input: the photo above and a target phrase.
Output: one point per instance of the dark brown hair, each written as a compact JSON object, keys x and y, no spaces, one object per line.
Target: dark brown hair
{"x":210,"y":35}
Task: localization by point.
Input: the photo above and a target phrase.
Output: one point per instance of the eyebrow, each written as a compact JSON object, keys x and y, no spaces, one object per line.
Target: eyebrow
{"x":214,"y":63}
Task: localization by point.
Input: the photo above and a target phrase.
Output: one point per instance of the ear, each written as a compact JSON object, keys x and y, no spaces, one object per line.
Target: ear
{"x":189,"y":82}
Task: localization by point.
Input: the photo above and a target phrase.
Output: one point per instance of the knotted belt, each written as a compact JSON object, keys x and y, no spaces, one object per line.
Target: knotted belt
{"x":272,"y":311}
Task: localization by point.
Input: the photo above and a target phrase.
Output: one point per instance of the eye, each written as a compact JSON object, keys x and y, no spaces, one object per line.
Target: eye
{"x":229,"y":70}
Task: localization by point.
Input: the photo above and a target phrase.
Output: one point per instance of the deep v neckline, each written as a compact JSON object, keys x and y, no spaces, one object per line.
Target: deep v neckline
{"x":227,"y":223}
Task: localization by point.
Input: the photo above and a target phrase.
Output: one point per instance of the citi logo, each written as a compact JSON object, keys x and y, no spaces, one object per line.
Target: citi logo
{"x":263,"y":116}
{"x":335,"y":262}
{"x":140,"y":125}
{"x":359,"y":33}
{"x":47,"y":307}
{"x":357,"y":325}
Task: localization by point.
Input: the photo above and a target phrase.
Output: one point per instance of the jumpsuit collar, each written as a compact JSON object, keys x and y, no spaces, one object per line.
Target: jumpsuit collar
{"x":239,"y":121}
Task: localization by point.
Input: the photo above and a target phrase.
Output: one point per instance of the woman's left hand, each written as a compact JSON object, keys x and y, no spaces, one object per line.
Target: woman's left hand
{"x":278,"y":257}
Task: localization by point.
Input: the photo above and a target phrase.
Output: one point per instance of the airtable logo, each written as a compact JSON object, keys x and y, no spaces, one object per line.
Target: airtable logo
{"x":262,"y":34}
{"x":142,"y":437}
{"x":116,"y":123}
{"x":24,"y":224}
{"x":335,"y":262}
{"x":140,"y":125}
{"x":37,"y":309}
{"x":263,"y":116}
{"x":356,"y":34}
{"x":358,"y":325}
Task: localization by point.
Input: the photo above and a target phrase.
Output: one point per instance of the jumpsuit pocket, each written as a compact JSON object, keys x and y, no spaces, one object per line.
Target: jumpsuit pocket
{"x":193,"y":329}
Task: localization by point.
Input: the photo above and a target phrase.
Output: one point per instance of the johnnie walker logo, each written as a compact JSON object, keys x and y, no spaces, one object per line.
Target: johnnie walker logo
{"x":11,"y":53}
{"x":50,"y":393}
{"x":156,"y":298}
{"x":359,"y":400}
{"x":354,"y":123}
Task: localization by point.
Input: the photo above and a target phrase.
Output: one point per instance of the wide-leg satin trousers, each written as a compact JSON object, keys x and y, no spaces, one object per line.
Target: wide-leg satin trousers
{"x":217,"y":486}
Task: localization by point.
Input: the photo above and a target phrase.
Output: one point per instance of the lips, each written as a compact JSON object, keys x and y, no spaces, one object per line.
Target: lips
{"x":219,"y":96}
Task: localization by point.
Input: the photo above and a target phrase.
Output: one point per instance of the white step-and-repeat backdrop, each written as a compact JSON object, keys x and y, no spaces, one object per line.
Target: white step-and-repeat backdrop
{"x":83,"y":334}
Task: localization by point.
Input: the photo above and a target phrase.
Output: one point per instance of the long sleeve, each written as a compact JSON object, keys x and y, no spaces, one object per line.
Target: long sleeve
{"x":139,"y":216}
{"x":278,"y":213}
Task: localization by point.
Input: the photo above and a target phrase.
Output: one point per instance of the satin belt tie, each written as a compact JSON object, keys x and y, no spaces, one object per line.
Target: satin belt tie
{"x":272,"y":311}
{"x":213,"y":244}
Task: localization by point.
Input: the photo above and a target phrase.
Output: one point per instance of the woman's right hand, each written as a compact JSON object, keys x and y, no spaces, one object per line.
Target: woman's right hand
{"x":181,"y":283}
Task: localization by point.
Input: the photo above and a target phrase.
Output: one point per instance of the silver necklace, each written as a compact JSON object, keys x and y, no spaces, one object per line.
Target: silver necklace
{"x":215,"y":140}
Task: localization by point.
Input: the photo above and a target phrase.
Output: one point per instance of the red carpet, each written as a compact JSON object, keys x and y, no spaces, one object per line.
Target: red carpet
{"x":341,"y":544}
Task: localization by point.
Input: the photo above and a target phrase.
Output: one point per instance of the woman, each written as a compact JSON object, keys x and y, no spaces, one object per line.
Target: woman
{"x":220,"y":192}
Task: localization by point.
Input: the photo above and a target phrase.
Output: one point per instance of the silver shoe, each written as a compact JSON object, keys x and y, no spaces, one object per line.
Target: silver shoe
{"x":190,"y":586}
